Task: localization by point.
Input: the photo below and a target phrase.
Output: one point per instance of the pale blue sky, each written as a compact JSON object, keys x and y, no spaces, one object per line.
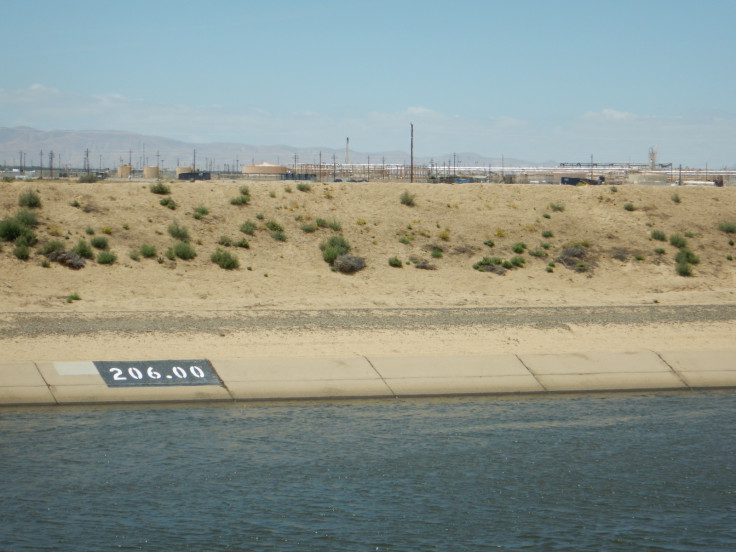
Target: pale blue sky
{"x":535,"y":80}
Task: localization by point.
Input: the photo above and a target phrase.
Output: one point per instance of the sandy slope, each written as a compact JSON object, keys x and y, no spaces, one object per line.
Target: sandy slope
{"x":292,"y":274}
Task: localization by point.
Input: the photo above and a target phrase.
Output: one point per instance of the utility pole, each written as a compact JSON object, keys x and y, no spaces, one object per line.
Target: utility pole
{"x":320,"y":166}
{"x":41,"y":164}
{"x":411,"y":170}
{"x":86,"y":160}
{"x":51,"y":164}
{"x":347,"y":150}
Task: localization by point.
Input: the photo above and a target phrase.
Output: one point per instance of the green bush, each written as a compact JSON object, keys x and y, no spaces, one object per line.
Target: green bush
{"x":278,"y":235}
{"x":557,"y":207}
{"x":487,"y":262}
{"x":518,"y":247}
{"x":148,"y":250}
{"x":99,"y":242}
{"x":200,"y":211}
{"x":274,"y":226}
{"x":629,"y":207}
{"x":675,"y":198}
{"x":658,"y":235}
{"x":11,"y":228}
{"x":106,"y":257}
{"x":83,"y":249}
{"x":395,"y":262}
{"x":50,"y":247}
{"x":407,"y":198}
{"x":26,"y":218}
{"x":168,"y":202}
{"x":178,"y":232}
{"x":242,"y":243}
{"x":545,"y":245}
{"x":309,"y":227}
{"x":489,"y":243}
{"x":303,"y":187}
{"x":225,"y":241}
{"x":517,"y":262}
{"x":684,"y":255}
{"x":22,"y":251}
{"x":684,"y":269}
{"x":87,"y":179}
{"x":89,"y":231}
{"x":73,"y":297}
{"x":659,"y":251}
{"x":547,"y":233}
{"x":333,"y":247}
{"x":322,"y":223}
{"x":184,"y":250}
{"x":244,"y":190}
{"x":727,"y":227}
{"x":160,"y":188}
{"x":242,"y":199}
{"x":224,"y":259}
{"x":135,"y":255}
{"x":335,"y":225}
{"x":29,"y":199}
{"x":678,"y":241}
{"x":436,"y":253}
{"x":248,"y":227}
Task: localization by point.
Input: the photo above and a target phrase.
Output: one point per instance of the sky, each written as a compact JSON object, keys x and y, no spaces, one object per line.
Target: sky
{"x":536,"y":80}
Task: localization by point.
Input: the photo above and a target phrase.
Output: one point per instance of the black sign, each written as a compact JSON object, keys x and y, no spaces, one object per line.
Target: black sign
{"x":157,"y":372}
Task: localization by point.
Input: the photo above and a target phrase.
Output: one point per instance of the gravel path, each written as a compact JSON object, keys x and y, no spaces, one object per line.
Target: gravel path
{"x":69,"y":324}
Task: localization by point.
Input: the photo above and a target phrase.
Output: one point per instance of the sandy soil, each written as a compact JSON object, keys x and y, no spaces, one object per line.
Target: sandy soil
{"x":621,"y":266}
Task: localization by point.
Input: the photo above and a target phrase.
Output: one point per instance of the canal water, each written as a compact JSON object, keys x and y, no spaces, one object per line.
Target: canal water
{"x":632,"y":471}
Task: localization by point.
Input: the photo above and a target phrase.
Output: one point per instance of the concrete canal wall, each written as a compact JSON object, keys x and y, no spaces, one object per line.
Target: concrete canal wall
{"x":87,"y":382}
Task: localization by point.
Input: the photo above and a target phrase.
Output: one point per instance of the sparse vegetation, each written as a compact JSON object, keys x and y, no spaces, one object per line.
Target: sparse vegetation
{"x":349,"y":264}
{"x":242,"y":199}
{"x":489,"y":243}
{"x":557,"y":207}
{"x":309,"y":227}
{"x":658,"y":235}
{"x":518,"y":247}
{"x":224,"y":259}
{"x":73,"y":297}
{"x":87,"y":179}
{"x":225,"y":241}
{"x":436,"y":253}
{"x":50,"y":247}
{"x":184,"y":250}
{"x":99,"y":242}
{"x":178,"y":232}
{"x":106,"y":257}
{"x":274,"y":226}
{"x":83,"y":249}
{"x":629,"y":207}
{"x":678,"y":241}
{"x":160,"y":188}
{"x":200,"y":211}
{"x":29,"y":199}
{"x":407,"y":198}
{"x":675,"y":198}
{"x":395,"y":262}
{"x":304,"y":187}
{"x":168,"y":202}
{"x":148,"y":250}
{"x":242,"y":242}
{"x":278,"y":235}
{"x":22,"y":251}
{"x":333,"y":247}
{"x":547,"y":233}
{"x":248,"y":227}
{"x":729,"y":227}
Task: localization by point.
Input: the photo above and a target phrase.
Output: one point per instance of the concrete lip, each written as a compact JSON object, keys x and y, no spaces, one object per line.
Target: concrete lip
{"x":698,"y":369}
{"x":21,"y":383}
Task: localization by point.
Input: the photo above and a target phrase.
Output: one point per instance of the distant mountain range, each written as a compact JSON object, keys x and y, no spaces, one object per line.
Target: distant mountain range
{"x":109,"y":148}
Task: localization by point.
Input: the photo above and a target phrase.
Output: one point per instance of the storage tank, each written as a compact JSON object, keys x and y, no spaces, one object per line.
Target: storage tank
{"x":124,"y":171}
{"x":150,"y":172}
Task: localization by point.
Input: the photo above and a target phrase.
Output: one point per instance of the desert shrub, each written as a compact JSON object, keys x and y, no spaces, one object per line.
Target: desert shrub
{"x":160,"y":188}
{"x":224,"y":259}
{"x":106,"y":230}
{"x":248,"y":227}
{"x":309,"y":227}
{"x":83,"y":249}
{"x":444,"y":235}
{"x":658,"y":235}
{"x":244,"y":190}
{"x":486,"y":264}
{"x":287,"y":189}
{"x":148,"y":250}
{"x":274,"y":226}
{"x":349,"y":264}
{"x":50,"y":247}
{"x":727,"y":227}
{"x":242,"y":243}
{"x":537,"y":253}
{"x":22,"y":251}
{"x":169,"y":254}
{"x":168,"y":202}
{"x":333,"y":247}
{"x":436,"y":253}
{"x":689,"y":235}
{"x":406,"y":239}
{"x":26,"y":218}
{"x":517,"y":261}
{"x":200,"y":211}
{"x":11,"y":228}
{"x":73,"y":297}
{"x":639,"y":257}
{"x":422,"y":264}
{"x":99,"y":242}
{"x":135,"y":255}
{"x":684,"y":255}
{"x":629,"y":207}
{"x":225,"y":241}
{"x":659,"y":251}
{"x":303,"y":187}
{"x":675,"y":198}
{"x":87,"y":179}
{"x":518,"y":247}
{"x":89,"y":231}
{"x":546,"y":215}
{"x":242,"y":199}
{"x":66,"y":258}
{"x":407,"y":198}
{"x":557,"y":207}
{"x":678,"y":241}
{"x":184,"y":250}
{"x":499,"y":232}
{"x":106,"y":257}
{"x":395,"y":262}
{"x":547,"y":233}
{"x":29,"y":199}
{"x":489,"y":243}
{"x":178,"y":232}
{"x":278,"y":235}
{"x":7,"y":178}
{"x":335,"y":225}
{"x":260,"y":216}
{"x":322,"y":223}
{"x":684,"y":269}
{"x":545,"y":245}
